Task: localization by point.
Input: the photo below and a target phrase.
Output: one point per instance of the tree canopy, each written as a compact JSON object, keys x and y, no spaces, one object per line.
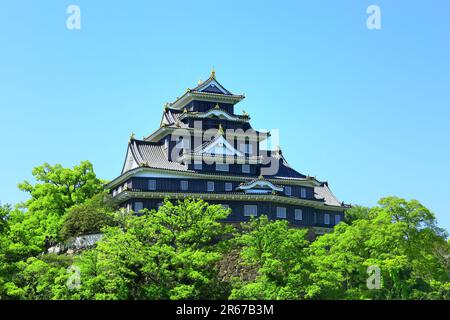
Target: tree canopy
{"x":394,"y":250}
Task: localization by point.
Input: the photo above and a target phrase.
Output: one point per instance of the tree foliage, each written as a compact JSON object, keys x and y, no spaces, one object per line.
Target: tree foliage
{"x":176,"y":252}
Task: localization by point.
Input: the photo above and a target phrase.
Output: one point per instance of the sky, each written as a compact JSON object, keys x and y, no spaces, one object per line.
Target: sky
{"x":365,"y":110}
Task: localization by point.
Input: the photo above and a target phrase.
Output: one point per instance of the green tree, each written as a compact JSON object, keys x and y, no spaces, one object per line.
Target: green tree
{"x":400,"y":237}
{"x":278,"y":252}
{"x":89,"y":217}
{"x":166,"y":254}
{"x":32,"y":224}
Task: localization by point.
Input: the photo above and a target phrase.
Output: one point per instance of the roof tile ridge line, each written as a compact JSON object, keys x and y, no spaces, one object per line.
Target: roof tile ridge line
{"x":135,"y":152}
{"x":209,"y":80}
{"x":325,"y":185}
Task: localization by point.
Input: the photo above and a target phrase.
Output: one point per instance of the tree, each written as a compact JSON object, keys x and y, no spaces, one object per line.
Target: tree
{"x":88,"y":217}
{"x":278,"y":251}
{"x":166,"y":254}
{"x":400,"y":237}
{"x":36,"y":223}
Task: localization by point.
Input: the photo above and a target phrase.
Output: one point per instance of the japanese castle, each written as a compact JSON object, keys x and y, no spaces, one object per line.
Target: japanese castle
{"x":203,"y":149}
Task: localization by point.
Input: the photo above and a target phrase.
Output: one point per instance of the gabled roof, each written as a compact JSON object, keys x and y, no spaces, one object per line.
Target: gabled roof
{"x":210,"y":90}
{"x":275,"y":160}
{"x":211,"y":86}
{"x":219,"y":140}
{"x":216,"y":112}
{"x":324,"y":193}
{"x":151,"y":155}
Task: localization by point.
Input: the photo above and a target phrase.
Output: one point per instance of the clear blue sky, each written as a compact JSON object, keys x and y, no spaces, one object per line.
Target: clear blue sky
{"x":367,"y":111}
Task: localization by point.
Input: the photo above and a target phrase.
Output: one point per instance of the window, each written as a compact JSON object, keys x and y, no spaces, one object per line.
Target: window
{"x":298,"y":214}
{"x":198,"y":165}
{"x":281,"y":212}
{"x":183,"y":143}
{"x":151,"y":184}
{"x":222,"y":166}
{"x":246,"y":148}
{"x":114,"y":192}
{"x":246,"y":168}
{"x":184,"y":185}
{"x":119,"y":190}
{"x":288,"y":191}
{"x":303,"y":192}
{"x":326,"y":218}
{"x":225,"y":206}
{"x":337,"y":219}
{"x":210,"y":186}
{"x":166,"y":143}
{"x":228,"y":186}
{"x":250,"y":210}
{"x":138,"y":206}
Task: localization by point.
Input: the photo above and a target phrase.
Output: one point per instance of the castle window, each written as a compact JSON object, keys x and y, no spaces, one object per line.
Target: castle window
{"x":303,"y":193}
{"x":184,"y":185}
{"x":166,"y":143}
{"x":198,"y":165}
{"x":298,"y":214}
{"x":138,"y":206}
{"x":246,"y":148}
{"x":337,"y":219}
{"x":246,"y":168}
{"x":210,"y":186}
{"x":281,"y":212}
{"x":228,"y":186}
{"x":151,"y":184}
{"x":250,"y":210}
{"x":326,"y":218}
{"x":288,"y":191}
{"x":119,"y":190}
{"x":114,"y":192}
{"x":222,"y":167}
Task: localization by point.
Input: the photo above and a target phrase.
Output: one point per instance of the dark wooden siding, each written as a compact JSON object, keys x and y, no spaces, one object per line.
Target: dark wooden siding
{"x":311,"y":217}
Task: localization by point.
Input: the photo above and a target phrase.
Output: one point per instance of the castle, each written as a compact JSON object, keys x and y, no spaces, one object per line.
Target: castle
{"x":203,"y":149}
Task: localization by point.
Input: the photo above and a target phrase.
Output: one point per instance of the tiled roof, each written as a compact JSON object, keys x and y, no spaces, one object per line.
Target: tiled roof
{"x":324,"y":193}
{"x":153,"y":155}
{"x":285,"y":171}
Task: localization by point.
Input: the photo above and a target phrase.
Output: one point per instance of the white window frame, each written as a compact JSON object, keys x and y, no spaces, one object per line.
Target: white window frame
{"x":114,"y":192}
{"x":303,"y":193}
{"x":298,"y":215}
{"x":166,"y":143}
{"x":228,"y":186}
{"x":136,"y":209}
{"x":184,"y":185}
{"x":250,"y":210}
{"x":326,"y":218}
{"x":288,"y":190}
{"x":245,"y":168}
{"x":224,"y":167}
{"x":281,"y":212}
{"x":151,"y":184}
{"x":210,"y":186}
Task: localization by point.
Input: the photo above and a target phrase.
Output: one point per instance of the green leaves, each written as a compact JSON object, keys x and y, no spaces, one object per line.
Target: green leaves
{"x":166,"y":254}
